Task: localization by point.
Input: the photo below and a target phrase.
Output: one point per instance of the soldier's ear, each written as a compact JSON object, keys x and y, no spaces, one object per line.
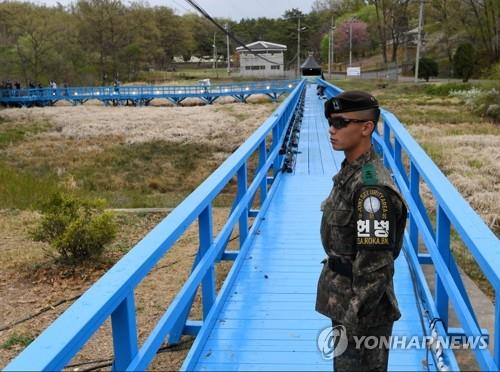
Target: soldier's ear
{"x":368,"y":128}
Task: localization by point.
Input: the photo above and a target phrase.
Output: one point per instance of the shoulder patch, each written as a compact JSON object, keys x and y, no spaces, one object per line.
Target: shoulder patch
{"x":375,"y":218}
{"x":369,"y":174}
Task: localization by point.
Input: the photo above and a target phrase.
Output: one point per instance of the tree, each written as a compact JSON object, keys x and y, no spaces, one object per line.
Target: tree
{"x":464,"y":61}
{"x":103,"y":34}
{"x":392,"y":24}
{"x":427,"y":67}
{"x":481,"y":20}
{"x":360,"y":37}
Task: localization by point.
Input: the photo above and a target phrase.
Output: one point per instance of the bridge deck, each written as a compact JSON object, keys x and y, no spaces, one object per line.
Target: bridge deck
{"x":269,"y":321}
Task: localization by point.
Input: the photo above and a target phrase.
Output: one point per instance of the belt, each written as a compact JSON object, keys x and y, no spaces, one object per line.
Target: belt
{"x":337,"y":265}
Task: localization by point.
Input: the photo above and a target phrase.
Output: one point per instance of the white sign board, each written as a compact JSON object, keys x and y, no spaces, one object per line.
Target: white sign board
{"x":353,"y":71}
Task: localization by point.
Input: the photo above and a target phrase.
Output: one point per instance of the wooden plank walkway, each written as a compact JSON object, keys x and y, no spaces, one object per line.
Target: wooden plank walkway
{"x":268,"y":322}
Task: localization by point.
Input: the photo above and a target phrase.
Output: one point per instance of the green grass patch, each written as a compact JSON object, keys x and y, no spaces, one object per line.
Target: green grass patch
{"x":427,"y":115}
{"x":17,"y":340}
{"x":435,"y":152}
{"x":142,"y":175}
{"x":23,"y":190}
{"x":12,"y":132}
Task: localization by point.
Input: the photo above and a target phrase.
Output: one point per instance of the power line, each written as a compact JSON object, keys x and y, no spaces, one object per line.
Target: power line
{"x":230,"y":34}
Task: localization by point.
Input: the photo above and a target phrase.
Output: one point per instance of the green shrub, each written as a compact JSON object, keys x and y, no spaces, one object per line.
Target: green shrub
{"x":446,"y":88}
{"x":427,"y":67}
{"x":481,"y":101}
{"x":464,"y":60}
{"x":492,"y":72}
{"x":77,"y":229}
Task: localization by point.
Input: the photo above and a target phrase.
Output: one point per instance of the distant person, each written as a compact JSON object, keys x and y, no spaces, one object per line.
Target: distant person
{"x":116,"y":84}
{"x":361,"y":231}
{"x":320,"y":90}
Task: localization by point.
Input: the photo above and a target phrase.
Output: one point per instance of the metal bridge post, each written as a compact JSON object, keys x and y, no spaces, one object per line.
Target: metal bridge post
{"x":443,"y":245}
{"x":399,"y":161}
{"x":496,"y":351}
{"x":205,"y":232}
{"x":415,"y":195}
{"x":262,"y":161}
{"x":124,"y":332}
{"x":242,"y":189}
{"x":275,"y":144}
{"x":206,"y":240}
{"x":387,"y":141}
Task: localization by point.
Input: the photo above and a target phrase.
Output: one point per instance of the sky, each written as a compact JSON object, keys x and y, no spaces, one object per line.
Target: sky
{"x":237,"y":9}
{"x":234,"y":9}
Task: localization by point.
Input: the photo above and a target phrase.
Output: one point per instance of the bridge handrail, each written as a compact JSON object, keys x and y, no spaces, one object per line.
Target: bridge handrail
{"x":147,"y":89}
{"x":451,"y":210}
{"x":113,"y":294}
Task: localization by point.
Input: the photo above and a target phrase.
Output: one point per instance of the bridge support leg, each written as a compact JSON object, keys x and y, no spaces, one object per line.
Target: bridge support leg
{"x":496,"y":351}
{"x":206,"y":240}
{"x":387,"y":141}
{"x":242,"y":189}
{"x":124,"y":333}
{"x":241,"y":97}
{"x":443,"y":244}
{"x":205,"y":224}
{"x":209,"y":99}
{"x":415,"y":192}
{"x":275,"y":144}
{"x":273,"y":96}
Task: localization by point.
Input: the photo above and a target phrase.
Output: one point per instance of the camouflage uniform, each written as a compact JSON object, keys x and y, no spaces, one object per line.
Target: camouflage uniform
{"x":361,"y":231}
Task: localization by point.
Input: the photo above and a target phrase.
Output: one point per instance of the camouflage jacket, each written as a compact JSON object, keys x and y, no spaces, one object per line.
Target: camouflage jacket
{"x":362,"y":225}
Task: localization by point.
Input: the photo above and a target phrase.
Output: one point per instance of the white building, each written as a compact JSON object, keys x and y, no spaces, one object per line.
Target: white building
{"x":252,"y":65}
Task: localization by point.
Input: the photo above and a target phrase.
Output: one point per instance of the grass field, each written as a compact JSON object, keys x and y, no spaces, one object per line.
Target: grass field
{"x":154,"y":157}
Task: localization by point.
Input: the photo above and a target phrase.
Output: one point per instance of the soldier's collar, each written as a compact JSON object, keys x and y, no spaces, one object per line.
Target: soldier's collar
{"x":362,"y":159}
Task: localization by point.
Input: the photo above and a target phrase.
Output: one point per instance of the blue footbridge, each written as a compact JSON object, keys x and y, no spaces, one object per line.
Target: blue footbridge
{"x":263,"y":316}
{"x":136,"y":95}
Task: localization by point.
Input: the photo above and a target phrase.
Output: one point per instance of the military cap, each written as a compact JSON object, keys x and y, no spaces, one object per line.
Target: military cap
{"x":353,"y":100}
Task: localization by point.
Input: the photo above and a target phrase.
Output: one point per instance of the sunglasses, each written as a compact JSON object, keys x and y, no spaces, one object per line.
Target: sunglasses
{"x":339,"y":122}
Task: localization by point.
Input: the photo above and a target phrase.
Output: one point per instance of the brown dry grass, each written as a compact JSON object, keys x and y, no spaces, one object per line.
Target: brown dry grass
{"x":229,"y":124}
{"x":472,"y":164}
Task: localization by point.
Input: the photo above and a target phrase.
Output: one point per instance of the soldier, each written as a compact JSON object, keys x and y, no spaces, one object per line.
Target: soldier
{"x":361,"y":231}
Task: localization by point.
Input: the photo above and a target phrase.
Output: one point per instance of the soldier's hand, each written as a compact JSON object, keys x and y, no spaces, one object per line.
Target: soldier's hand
{"x":351,"y":318}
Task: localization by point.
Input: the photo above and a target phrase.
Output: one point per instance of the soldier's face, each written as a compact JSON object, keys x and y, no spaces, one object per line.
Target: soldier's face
{"x":352,"y":135}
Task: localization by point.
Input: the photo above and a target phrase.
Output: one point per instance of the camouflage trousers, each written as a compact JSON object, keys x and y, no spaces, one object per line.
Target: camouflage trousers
{"x":362,"y":358}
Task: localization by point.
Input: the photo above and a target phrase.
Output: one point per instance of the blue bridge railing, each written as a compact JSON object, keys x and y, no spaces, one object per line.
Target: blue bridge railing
{"x":411,"y":166}
{"x":143,"y":95}
{"x":113,"y":294}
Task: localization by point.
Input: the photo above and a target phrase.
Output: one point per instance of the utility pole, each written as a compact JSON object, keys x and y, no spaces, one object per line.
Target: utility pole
{"x":419,"y":38}
{"x":298,"y":49}
{"x":331,"y":47}
{"x":330,"y":54}
{"x":299,"y":29}
{"x":228,"y":53}
{"x":214,"y":65}
{"x":350,"y":43}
